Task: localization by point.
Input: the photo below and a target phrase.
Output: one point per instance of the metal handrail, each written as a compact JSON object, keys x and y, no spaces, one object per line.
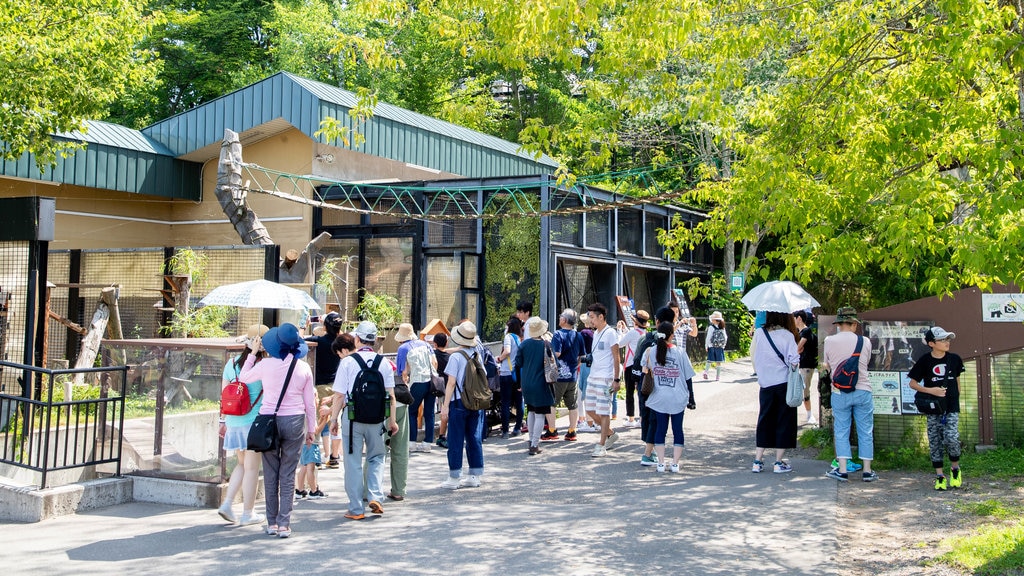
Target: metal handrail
{"x":38,"y":448}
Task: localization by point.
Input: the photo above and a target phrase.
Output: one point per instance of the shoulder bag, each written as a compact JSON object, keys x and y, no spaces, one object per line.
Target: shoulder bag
{"x":550,"y":364}
{"x":795,"y":383}
{"x":263,"y":432}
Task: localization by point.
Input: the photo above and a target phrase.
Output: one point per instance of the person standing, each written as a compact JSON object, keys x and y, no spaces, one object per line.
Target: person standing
{"x":776,"y":421}
{"x":585,"y":424}
{"x":236,"y":433}
{"x":807,"y":346}
{"x":289,"y":392}
{"x":938,"y":374}
{"x":567,"y":345}
{"x":465,"y":427}
{"x":420,"y":364}
{"x":628,"y":339}
{"x":670,"y":368}
{"x":326,"y":367}
{"x":398,"y":444}
{"x":856,"y":406}
{"x":537,"y":392}
{"x":356,"y":435}
{"x":440,"y":343}
{"x":511,"y":391}
{"x":684,"y":328}
{"x":605,"y":376}
{"x":715,"y":342}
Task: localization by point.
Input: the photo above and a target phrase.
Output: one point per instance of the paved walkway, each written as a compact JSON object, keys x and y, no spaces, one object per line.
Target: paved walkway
{"x":561,"y":512}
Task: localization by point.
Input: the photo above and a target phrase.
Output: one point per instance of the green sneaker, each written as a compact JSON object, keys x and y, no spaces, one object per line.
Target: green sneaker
{"x":940,"y":482}
{"x":851,"y":466}
{"x":956,"y":480}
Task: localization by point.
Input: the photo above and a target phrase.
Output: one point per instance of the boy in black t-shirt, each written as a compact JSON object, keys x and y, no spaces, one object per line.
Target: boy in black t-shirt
{"x":938,"y":373}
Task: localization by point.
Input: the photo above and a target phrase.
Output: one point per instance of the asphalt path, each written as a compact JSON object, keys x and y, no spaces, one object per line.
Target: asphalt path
{"x":561,"y":512}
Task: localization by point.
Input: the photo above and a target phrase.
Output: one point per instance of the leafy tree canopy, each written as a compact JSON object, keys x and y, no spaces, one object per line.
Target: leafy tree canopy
{"x":64,"y":62}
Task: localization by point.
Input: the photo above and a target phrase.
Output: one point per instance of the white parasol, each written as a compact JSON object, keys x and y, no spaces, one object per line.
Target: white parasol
{"x":259,"y":294}
{"x":779,"y":296}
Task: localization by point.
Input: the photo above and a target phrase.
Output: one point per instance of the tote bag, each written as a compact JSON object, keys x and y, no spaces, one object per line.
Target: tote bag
{"x":795,"y":384}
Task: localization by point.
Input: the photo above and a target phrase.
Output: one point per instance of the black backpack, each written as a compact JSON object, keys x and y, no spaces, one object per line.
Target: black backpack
{"x":845,"y":376}
{"x":368,"y":401}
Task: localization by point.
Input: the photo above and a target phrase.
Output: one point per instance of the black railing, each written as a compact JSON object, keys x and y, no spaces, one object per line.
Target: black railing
{"x":48,"y":431}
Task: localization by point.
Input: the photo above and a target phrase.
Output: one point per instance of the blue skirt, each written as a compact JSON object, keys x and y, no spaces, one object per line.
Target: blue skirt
{"x":716,"y":354}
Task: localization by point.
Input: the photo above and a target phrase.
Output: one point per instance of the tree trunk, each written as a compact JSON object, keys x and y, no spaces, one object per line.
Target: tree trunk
{"x":109,"y":297}
{"x":232,"y":196}
{"x":90,"y":344}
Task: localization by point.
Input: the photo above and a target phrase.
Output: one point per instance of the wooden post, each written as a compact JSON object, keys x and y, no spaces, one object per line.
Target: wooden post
{"x":109,"y":297}
{"x":90,"y":344}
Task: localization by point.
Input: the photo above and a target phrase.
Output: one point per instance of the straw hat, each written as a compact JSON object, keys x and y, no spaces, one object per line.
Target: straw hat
{"x":254,"y":331}
{"x":405,"y":333}
{"x":465,"y":335}
{"x":535,"y":327}
{"x":641,"y":317}
{"x":716,"y":315}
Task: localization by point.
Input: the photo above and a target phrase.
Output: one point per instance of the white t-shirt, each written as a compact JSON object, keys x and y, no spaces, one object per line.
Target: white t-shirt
{"x":629,"y":339}
{"x":348,"y":369}
{"x":603,"y":366}
{"x":670,"y":394}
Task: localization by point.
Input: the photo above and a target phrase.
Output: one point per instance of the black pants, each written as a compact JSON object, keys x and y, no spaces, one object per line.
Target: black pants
{"x":648,"y":422}
{"x":632,"y":385}
{"x":776,"y":422}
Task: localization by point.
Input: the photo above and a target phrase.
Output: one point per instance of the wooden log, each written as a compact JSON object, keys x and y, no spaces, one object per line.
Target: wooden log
{"x":109,"y":297}
{"x":53,"y":315}
{"x":91,"y":343}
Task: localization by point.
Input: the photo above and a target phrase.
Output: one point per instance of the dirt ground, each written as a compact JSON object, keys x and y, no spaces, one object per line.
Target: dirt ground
{"x":896,"y":526}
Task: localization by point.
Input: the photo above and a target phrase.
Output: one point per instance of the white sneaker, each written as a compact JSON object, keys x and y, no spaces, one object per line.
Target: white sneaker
{"x":611,"y":440}
{"x":471,"y":481}
{"x":661,"y":466}
{"x":253,"y":518}
{"x":226,"y":513}
{"x":811,"y":420}
{"x":425,"y":447}
{"x":674,"y":467}
{"x":588,"y":428}
{"x":598,"y":451}
{"x":451,"y":483}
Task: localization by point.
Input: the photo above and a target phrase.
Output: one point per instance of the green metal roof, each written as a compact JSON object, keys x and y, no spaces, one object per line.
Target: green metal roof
{"x":392,"y":132}
{"x":115,"y":158}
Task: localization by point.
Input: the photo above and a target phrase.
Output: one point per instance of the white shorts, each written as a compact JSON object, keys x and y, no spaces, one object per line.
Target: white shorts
{"x":598,"y":399}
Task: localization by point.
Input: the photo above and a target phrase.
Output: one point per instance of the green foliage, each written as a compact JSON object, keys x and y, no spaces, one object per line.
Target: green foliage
{"x":512,"y":270}
{"x":991,"y":508}
{"x":1002,"y":464}
{"x":205,"y":322}
{"x":188,"y":262}
{"x":990,"y":550}
{"x":715,"y":295}
{"x":144,"y":406}
{"x":820,"y":439}
{"x":64,"y":62}
{"x":384,"y":310}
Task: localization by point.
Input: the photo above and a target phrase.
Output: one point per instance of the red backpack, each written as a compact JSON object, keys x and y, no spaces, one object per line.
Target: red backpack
{"x":235,"y":399}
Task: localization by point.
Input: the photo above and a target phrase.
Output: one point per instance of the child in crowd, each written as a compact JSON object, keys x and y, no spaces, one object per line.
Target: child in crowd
{"x":306,"y":485}
{"x":715,"y":343}
{"x":938,"y":374}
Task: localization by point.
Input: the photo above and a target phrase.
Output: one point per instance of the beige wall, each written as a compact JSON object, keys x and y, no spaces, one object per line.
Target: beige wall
{"x":92,"y":218}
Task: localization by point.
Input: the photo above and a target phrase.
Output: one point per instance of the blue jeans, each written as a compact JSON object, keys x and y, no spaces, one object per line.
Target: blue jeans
{"x":464,"y":429}
{"x":421,"y":394}
{"x":856,"y":406}
{"x":511,"y":394}
{"x":662,"y":428}
{"x":584,"y":375}
{"x":370,"y":435}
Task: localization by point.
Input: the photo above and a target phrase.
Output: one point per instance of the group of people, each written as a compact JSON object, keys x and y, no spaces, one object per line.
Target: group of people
{"x":784,"y":340}
{"x":539,"y":370}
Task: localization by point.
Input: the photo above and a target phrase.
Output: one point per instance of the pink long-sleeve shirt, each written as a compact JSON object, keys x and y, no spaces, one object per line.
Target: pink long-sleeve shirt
{"x":300,"y":398}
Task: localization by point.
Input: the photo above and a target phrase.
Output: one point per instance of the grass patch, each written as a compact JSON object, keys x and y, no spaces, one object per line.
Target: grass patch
{"x":820,"y":439}
{"x":990,"y":550}
{"x":991,"y":508}
{"x":142,"y":406}
{"x":1001,"y":464}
